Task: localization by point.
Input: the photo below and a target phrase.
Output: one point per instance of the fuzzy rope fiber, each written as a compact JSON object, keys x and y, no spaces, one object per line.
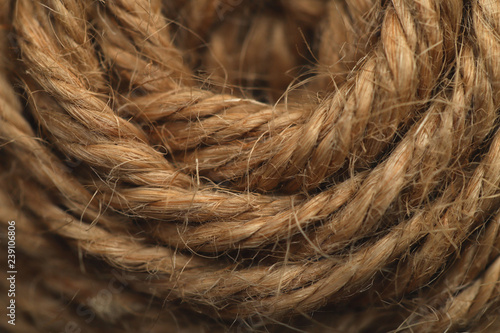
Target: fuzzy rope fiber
{"x":250,"y":166}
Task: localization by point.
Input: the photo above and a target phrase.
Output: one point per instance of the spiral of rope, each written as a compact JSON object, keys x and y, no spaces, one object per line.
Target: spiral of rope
{"x":313,"y":165}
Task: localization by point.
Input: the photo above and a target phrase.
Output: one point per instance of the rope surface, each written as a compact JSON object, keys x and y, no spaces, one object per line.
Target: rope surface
{"x":221,"y":165}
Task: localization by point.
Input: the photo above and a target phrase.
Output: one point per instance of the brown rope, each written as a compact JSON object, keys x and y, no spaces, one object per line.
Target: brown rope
{"x":252,"y":164}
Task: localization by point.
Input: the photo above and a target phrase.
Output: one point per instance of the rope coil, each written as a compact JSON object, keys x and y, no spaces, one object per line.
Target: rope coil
{"x":256,"y":165}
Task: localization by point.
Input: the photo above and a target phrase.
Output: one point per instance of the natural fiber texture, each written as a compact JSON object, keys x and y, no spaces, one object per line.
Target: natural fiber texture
{"x":214,"y":165}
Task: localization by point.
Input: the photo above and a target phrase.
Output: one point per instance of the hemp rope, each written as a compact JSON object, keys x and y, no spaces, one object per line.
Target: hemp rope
{"x":226,"y":165}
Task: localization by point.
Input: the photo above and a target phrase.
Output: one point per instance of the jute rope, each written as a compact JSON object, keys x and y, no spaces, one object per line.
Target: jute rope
{"x":215,"y":165}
